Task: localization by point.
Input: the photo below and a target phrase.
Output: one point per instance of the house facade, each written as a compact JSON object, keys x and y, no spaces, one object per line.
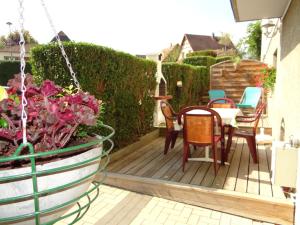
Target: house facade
{"x":13,"y":52}
{"x":191,"y":43}
{"x":281,"y":49}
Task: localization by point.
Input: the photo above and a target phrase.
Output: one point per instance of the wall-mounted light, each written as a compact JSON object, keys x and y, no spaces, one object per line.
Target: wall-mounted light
{"x":269,"y":29}
{"x":179,"y":83}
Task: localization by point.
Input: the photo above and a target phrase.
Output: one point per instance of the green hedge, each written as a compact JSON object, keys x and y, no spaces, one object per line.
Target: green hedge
{"x":124,"y":82}
{"x":203,"y":53}
{"x":9,"y":68}
{"x":200,"y":61}
{"x":195,"y":83}
{"x":223,"y":58}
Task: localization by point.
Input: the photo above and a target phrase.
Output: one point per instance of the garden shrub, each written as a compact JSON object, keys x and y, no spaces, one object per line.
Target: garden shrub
{"x":124,"y":82}
{"x":195,"y":83}
{"x":9,"y":68}
{"x":212,"y":53}
{"x":200,"y":61}
{"x":223,"y":58}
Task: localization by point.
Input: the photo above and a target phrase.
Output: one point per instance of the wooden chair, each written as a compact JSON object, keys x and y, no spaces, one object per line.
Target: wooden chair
{"x":249,"y":135}
{"x":198,"y":130}
{"x":221,"y":103}
{"x":172,"y":130}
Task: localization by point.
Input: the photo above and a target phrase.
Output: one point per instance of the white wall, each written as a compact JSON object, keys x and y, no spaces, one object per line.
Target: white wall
{"x":186,"y":48}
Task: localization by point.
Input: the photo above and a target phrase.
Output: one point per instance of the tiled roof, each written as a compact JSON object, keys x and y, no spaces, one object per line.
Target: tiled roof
{"x":204,"y":42}
{"x":62,"y":36}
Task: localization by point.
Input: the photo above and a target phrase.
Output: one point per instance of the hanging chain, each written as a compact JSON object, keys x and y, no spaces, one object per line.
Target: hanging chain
{"x":64,"y":54}
{"x":23,"y":75}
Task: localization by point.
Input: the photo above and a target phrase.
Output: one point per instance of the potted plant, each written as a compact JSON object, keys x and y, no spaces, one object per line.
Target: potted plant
{"x":60,"y":169}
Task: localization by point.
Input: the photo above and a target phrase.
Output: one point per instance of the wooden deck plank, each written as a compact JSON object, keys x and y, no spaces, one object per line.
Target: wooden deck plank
{"x":242,"y":177}
{"x":151,"y":168}
{"x":265,"y":187}
{"x":149,"y":155}
{"x":223,"y":170}
{"x":200,"y":174}
{"x":253,"y":175}
{"x":190,"y":167}
{"x":230,"y":182}
{"x":167,"y":165}
{"x":135,"y":154}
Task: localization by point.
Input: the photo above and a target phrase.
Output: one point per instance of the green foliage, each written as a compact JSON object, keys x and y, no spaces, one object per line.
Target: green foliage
{"x":252,"y":41}
{"x":14,"y":38}
{"x":200,"y":61}
{"x":203,"y":53}
{"x":173,"y":54}
{"x":9,"y":68}
{"x":223,"y":58}
{"x":195,"y":83}
{"x":225,"y":40}
{"x":122,"y":81}
{"x":268,"y":78}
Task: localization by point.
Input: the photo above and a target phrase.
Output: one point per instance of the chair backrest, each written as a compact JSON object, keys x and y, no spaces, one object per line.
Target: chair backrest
{"x":228,"y":103}
{"x":199,"y":124}
{"x":169,"y":114}
{"x":250,"y":98}
{"x":213,"y":94}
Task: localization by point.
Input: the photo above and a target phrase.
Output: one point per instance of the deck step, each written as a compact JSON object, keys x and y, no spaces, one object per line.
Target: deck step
{"x":278,"y":211}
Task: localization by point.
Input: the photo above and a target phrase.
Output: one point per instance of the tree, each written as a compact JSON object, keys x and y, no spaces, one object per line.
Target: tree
{"x":225,"y":40}
{"x":173,"y":54}
{"x":14,"y":38}
{"x":253,"y":40}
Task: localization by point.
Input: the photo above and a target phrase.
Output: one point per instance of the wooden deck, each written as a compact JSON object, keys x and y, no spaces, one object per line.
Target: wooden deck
{"x":241,"y":181}
{"x":242,"y":175}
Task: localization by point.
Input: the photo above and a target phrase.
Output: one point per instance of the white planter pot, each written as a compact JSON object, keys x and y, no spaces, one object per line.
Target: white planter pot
{"x":24,"y":187}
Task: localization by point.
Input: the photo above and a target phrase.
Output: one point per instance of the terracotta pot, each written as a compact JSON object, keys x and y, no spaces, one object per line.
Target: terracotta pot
{"x":46,"y":182}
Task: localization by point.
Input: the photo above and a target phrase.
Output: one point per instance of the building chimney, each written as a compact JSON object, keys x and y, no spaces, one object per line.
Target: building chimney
{"x":213,"y":35}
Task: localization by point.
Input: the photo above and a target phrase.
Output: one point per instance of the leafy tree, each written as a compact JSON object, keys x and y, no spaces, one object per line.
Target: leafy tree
{"x":253,"y":40}
{"x":225,"y":40}
{"x":14,"y":37}
{"x":173,"y":55}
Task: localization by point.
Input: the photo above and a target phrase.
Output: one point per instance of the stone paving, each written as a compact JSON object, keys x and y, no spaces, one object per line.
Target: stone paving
{"x":116,"y":206}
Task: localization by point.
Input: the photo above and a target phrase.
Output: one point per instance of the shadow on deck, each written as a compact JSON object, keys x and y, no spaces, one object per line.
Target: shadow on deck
{"x":241,"y":188}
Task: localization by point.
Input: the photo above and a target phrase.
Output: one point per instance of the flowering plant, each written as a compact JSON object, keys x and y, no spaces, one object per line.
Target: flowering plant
{"x":53,"y":115}
{"x":267,"y":78}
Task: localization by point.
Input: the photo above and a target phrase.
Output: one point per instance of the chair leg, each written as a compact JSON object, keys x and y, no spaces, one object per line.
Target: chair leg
{"x":167,"y":142}
{"x":174,"y":137}
{"x":252,"y":148}
{"x":214,"y":153}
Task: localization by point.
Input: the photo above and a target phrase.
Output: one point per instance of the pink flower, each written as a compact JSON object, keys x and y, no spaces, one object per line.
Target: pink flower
{"x":48,"y":88}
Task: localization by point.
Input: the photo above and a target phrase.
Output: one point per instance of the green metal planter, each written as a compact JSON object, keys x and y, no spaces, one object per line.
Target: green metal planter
{"x":43,"y":193}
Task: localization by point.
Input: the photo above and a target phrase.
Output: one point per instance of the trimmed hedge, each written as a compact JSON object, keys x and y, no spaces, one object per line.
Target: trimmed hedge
{"x":203,"y":53}
{"x":124,"y":82}
{"x":195,"y":83}
{"x":223,"y":58}
{"x":9,"y":68}
{"x":200,"y":61}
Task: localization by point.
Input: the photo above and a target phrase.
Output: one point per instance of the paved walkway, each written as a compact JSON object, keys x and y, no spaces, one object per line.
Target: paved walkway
{"x":116,"y":206}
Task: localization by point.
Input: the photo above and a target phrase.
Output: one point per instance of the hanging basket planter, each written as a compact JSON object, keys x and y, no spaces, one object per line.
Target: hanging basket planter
{"x":41,"y":194}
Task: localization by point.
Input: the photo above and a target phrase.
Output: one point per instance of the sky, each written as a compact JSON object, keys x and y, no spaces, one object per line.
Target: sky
{"x":132,"y":26}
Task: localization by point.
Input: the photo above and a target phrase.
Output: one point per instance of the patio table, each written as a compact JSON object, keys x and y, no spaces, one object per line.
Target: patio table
{"x":228,"y":116}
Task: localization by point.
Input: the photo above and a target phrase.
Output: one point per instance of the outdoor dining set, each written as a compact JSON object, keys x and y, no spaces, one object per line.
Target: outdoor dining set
{"x":206,"y":126}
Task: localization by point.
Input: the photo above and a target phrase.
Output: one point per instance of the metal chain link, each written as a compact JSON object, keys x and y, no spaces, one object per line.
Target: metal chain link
{"x":22,"y":69}
{"x":64,"y":54}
